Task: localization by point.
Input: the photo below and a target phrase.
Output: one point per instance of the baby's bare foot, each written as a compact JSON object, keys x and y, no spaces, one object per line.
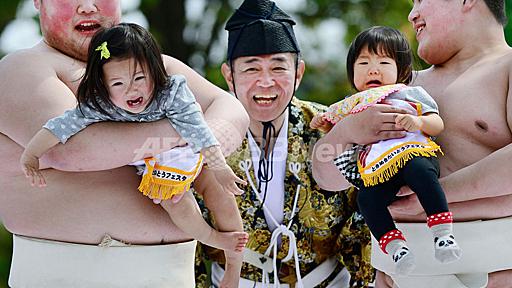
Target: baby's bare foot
{"x":230,"y":241}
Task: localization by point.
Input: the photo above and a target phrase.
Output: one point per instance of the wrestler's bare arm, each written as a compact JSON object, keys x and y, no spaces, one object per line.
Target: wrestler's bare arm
{"x":374,"y":124}
{"x":325,"y":173}
{"x":224,"y":114}
{"x":470,"y":191}
{"x":27,"y":105}
{"x":477,"y":209}
{"x":107,"y":145}
{"x":489,"y":177}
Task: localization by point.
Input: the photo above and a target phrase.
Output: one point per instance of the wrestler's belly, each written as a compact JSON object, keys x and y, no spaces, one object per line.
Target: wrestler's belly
{"x":459,"y":154}
{"x":83,"y":207}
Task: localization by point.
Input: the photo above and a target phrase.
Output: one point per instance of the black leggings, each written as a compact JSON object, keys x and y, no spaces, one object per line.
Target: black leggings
{"x":421,"y":175}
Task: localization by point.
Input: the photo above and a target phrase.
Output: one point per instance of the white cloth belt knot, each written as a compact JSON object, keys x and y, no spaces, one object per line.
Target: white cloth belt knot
{"x":292,"y":252}
{"x":281,"y":229}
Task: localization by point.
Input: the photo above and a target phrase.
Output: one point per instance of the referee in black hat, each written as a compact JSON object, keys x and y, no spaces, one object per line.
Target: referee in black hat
{"x":299,"y":235}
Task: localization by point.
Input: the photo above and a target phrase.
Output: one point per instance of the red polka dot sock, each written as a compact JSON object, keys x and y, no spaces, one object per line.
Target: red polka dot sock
{"x":446,"y":248}
{"x":393,"y":243}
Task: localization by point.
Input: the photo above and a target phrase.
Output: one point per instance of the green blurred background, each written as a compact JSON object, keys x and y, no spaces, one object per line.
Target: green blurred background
{"x":192,"y":31}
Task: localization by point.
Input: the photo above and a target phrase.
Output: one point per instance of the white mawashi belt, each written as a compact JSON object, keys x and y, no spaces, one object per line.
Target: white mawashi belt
{"x":485,"y":248}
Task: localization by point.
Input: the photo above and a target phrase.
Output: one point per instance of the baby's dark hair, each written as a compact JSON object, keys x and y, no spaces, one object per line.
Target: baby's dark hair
{"x":124,"y":41}
{"x":382,"y":41}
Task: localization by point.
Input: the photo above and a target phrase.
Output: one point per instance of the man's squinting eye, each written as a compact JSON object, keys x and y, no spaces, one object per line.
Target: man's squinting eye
{"x":249,"y":69}
{"x":280,"y":68}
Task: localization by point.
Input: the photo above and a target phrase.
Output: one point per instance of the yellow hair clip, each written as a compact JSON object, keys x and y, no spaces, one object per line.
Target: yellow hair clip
{"x":104,"y":50}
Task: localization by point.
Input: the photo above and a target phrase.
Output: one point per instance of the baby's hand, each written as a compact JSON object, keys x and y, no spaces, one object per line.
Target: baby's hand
{"x":30,"y":167}
{"x":318,"y":122}
{"x":409,"y":122}
{"x":227,"y":179}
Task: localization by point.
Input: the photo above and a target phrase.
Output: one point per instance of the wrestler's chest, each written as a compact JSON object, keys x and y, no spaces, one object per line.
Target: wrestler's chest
{"x":474,"y":115}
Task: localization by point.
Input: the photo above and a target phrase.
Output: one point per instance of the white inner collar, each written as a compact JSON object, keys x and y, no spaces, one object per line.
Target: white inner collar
{"x":274,"y":199}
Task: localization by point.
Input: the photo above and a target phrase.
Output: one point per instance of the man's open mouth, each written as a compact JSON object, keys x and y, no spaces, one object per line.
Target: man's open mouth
{"x":419,"y":28}
{"x":87,"y":27}
{"x":264,"y":99}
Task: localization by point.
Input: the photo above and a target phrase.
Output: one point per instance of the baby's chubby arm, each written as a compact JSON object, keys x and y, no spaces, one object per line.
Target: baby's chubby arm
{"x":221,"y":170}
{"x":320,"y":123}
{"x":29,"y":160}
{"x":429,"y":123}
{"x":56,"y":130}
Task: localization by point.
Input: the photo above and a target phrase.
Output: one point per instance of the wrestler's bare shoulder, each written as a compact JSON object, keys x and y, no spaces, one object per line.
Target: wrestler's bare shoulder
{"x":38,"y":62}
{"x":472,"y":102}
{"x":37,"y":55}
{"x":492,"y":63}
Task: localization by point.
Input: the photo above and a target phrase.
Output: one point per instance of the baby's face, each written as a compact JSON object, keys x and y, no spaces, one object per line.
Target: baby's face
{"x":128,"y":85}
{"x":372,"y":70}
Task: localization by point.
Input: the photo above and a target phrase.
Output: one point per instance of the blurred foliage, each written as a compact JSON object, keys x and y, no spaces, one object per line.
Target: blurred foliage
{"x":5,"y":256}
{"x":323,"y":82}
{"x":328,"y":83}
{"x":7,"y":12}
{"x":508,"y":28}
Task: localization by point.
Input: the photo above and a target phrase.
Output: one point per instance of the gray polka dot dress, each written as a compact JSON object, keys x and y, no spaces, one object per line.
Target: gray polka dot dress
{"x":176,"y":103}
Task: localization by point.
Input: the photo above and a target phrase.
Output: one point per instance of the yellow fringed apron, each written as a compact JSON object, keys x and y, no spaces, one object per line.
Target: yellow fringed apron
{"x":380,"y":161}
{"x":170,"y":173}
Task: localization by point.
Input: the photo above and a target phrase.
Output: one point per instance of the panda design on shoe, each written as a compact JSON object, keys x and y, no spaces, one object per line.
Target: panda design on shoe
{"x":400,"y":253}
{"x":446,"y":249}
{"x":404,"y":261}
{"x":445,"y":242}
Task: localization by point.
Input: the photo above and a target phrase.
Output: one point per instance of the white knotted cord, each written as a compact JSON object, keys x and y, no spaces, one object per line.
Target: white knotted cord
{"x":281,"y":229}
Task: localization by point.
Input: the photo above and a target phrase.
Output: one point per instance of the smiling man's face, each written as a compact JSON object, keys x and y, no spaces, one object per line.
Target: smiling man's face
{"x":264,"y":83}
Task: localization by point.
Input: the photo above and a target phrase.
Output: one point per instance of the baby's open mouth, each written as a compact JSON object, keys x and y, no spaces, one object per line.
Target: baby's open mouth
{"x":373,"y":82}
{"x":134,"y":102}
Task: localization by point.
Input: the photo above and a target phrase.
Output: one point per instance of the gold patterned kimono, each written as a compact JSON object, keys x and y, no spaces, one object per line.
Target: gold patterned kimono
{"x":325,"y":225}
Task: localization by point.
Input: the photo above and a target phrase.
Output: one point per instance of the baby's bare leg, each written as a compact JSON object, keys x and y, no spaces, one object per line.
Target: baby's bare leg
{"x":227,"y":218}
{"x":186,"y":215}
{"x":232,"y":273}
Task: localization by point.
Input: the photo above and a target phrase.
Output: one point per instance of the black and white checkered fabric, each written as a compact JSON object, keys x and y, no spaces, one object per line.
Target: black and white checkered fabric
{"x":347,"y":164}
